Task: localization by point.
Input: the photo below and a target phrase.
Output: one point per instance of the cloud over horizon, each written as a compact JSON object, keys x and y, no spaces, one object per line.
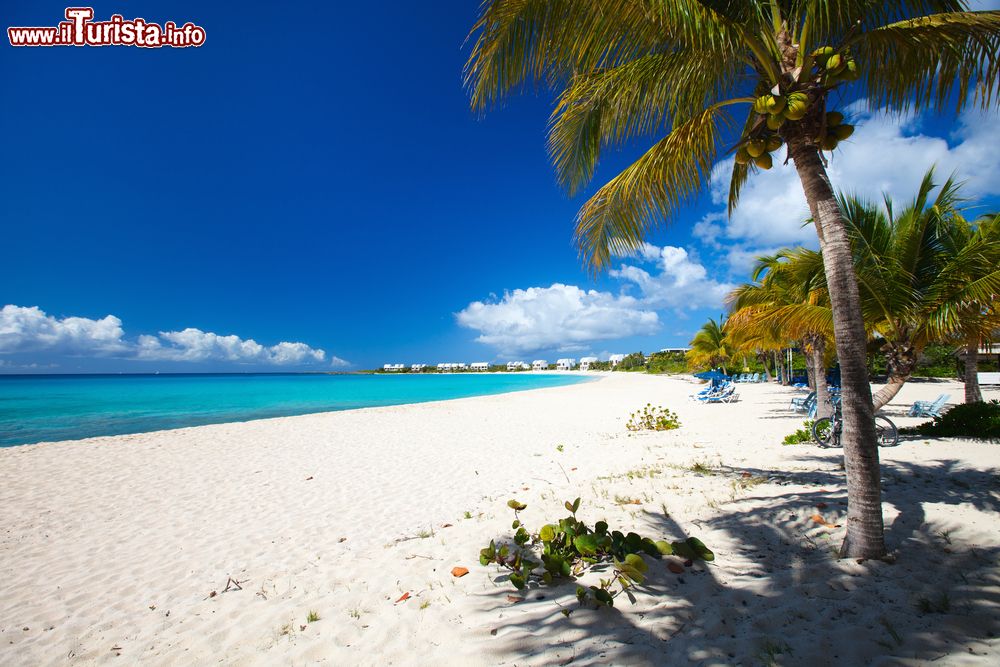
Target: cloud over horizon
{"x":560,"y":317}
{"x":568,"y":318}
{"x":29,"y":330}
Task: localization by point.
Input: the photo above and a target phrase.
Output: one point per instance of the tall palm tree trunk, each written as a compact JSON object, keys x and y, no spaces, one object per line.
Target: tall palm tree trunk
{"x":972,"y":392}
{"x":810,"y":367}
{"x":817,"y":354}
{"x":865,"y":530}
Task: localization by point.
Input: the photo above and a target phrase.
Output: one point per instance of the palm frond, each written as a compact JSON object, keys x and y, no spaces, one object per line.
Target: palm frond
{"x":637,"y":98}
{"x":920,"y":62}
{"x":516,"y":41}
{"x":615,"y":220}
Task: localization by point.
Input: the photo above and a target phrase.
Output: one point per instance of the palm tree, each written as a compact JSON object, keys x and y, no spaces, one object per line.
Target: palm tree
{"x":968,"y":291}
{"x":631,"y":68}
{"x":709,"y":347}
{"x":925,"y":275}
{"x":788,"y":300}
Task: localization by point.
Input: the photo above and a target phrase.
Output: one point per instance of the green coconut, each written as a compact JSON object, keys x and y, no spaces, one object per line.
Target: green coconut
{"x":835,"y":64}
{"x":760,"y":104}
{"x":828,"y":142}
{"x":842,"y":131}
{"x":834,"y":118}
{"x":775,"y":121}
{"x":822,"y":53}
{"x":796,"y":111}
{"x":775,"y":104}
{"x":756,"y":147}
{"x":764,"y":161}
{"x":796,"y":106}
{"x":742,"y":156}
{"x":773,"y":143}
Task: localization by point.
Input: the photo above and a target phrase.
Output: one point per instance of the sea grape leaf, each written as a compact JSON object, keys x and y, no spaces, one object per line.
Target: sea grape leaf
{"x":700,"y":550}
{"x":587,"y":545}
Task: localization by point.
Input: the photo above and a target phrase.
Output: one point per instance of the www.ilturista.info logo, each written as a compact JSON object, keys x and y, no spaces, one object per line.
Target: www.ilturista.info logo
{"x":79,"y":29}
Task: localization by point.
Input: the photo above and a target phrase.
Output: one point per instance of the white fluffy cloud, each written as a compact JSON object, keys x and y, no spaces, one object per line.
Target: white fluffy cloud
{"x":560,"y":317}
{"x":31,"y":330}
{"x":568,"y":318}
{"x":197,"y":345}
{"x":886,"y":154}
{"x":680,"y":282}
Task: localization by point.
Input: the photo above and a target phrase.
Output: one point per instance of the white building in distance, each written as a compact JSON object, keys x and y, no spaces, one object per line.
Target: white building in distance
{"x":539,"y":365}
{"x":517,"y":366}
{"x":566,"y":364}
{"x":481,"y":366}
{"x":616,"y":359}
{"x":393,"y":368}
{"x":587,"y":362}
{"x":417,"y":368}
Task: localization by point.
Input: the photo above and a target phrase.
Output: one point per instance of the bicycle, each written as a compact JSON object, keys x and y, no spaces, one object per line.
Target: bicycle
{"x":826,"y":430}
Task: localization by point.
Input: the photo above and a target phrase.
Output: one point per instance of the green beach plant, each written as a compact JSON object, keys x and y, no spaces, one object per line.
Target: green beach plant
{"x":567,"y":549}
{"x":800,"y":436}
{"x":676,"y":71}
{"x":651,"y":418}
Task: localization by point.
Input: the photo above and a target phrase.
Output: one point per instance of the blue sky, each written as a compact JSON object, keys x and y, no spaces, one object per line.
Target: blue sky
{"x":312,"y":180}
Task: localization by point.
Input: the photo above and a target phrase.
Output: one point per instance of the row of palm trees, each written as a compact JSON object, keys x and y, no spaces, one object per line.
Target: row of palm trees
{"x":925,"y":274}
{"x":688,"y":76}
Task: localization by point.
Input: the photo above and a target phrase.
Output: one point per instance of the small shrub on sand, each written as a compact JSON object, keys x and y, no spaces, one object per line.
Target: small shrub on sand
{"x":312,"y":617}
{"x":653,"y":419}
{"x":800,"y":436}
{"x":968,"y":420}
{"x":567,"y":549}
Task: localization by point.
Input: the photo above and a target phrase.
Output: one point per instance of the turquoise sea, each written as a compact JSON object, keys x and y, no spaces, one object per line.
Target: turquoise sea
{"x":41,"y":408}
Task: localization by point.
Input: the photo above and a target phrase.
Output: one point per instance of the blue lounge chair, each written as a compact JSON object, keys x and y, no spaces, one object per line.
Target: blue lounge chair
{"x":928,"y":408}
{"x":803,"y":404}
{"x":710,"y":389}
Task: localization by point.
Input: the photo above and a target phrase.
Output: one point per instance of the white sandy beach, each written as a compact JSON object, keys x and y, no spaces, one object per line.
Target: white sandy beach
{"x":118,"y":550}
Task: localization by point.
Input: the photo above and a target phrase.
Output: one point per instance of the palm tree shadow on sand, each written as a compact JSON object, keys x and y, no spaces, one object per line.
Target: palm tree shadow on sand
{"x":777,"y":594}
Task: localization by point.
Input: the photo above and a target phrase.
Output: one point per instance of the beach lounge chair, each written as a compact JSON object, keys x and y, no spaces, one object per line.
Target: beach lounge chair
{"x":928,"y":408}
{"x":726,"y":395}
{"x":710,"y":389}
{"x":802,"y":404}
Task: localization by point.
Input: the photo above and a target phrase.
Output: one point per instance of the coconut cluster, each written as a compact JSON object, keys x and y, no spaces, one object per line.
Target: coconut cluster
{"x":831,"y":67}
{"x":836,"y":130}
{"x":834,"y":66}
